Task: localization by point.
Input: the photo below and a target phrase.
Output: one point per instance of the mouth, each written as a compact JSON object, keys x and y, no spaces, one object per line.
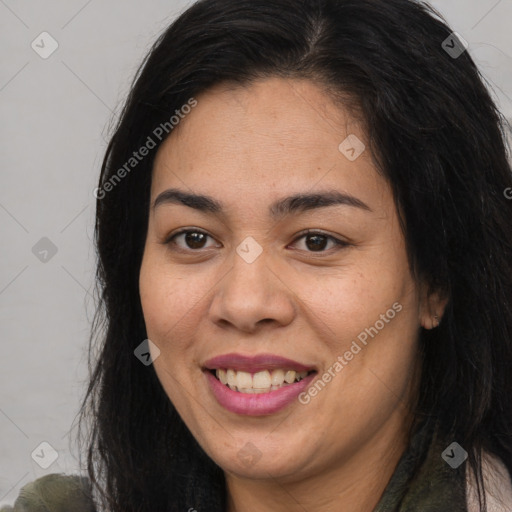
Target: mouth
{"x":256,"y":385}
{"x":259,"y":382}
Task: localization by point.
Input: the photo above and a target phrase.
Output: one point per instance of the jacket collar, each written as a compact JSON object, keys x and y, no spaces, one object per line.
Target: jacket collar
{"x":437,"y":487}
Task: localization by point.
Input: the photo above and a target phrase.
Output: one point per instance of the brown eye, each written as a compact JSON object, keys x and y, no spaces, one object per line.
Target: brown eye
{"x":317,"y":242}
{"x":193,"y":239}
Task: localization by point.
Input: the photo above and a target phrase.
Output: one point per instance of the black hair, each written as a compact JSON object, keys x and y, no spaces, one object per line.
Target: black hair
{"x":434,"y":132}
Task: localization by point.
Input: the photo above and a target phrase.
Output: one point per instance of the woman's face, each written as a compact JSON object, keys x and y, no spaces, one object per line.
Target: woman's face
{"x":249,"y":293}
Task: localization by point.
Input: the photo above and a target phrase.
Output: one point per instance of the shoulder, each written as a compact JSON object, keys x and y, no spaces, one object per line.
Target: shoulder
{"x":54,"y":493}
{"x":498,"y":486}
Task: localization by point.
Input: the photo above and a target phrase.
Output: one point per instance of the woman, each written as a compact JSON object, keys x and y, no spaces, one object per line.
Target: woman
{"x":305,"y":270}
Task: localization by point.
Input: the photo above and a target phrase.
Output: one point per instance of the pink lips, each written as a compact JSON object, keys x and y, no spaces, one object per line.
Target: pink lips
{"x":253,"y":364}
{"x":256,"y":404}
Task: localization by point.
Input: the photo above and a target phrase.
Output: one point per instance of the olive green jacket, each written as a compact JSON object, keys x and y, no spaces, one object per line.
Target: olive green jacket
{"x":443,"y":485}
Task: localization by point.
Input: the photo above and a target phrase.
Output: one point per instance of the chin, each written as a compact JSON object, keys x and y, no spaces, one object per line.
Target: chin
{"x":248,"y":461}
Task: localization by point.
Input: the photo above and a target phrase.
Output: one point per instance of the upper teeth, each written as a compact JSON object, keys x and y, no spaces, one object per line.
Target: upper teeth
{"x":260,"y":382}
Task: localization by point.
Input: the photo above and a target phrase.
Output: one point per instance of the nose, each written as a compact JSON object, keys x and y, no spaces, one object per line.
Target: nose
{"x":251,"y":295}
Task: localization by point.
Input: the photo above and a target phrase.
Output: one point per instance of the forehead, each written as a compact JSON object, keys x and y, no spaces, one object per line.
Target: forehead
{"x":276,"y":133}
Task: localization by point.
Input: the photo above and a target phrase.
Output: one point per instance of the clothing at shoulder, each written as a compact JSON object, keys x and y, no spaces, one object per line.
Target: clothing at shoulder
{"x":62,"y":493}
{"x":498,"y":486}
{"x":54,"y":493}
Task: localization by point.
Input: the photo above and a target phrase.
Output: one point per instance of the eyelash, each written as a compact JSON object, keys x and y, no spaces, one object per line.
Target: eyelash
{"x":340,"y":244}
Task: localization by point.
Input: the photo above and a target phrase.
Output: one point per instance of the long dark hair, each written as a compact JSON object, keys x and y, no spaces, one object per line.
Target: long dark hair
{"x":435,"y":134}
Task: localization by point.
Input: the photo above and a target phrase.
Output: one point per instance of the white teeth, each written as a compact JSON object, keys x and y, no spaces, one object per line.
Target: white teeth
{"x":259,"y":382}
{"x":262,"y":381}
{"x":221,"y":375}
{"x":231,"y":376}
{"x":277,"y":377}
{"x":289,"y":376}
{"x":243,"y":380}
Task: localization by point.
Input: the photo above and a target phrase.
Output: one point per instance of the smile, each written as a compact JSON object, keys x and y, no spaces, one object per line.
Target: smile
{"x":256,"y":385}
{"x":260,"y":382}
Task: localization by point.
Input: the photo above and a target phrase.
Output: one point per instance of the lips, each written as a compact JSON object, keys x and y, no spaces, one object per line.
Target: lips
{"x":256,"y":363}
{"x":264,"y":403}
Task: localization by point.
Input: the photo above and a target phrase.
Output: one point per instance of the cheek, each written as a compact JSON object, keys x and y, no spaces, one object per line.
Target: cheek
{"x":369,"y":317}
{"x":167,"y":306}
{"x":166,"y":300}
{"x":349,"y":303}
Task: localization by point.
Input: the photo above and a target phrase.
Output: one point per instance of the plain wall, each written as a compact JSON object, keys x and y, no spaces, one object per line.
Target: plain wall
{"x":55,"y":117}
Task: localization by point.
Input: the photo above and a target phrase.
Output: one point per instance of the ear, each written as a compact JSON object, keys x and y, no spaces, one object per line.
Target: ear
{"x":432,"y":307}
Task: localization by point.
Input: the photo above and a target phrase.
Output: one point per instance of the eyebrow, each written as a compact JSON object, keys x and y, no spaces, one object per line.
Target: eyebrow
{"x":281,"y":208}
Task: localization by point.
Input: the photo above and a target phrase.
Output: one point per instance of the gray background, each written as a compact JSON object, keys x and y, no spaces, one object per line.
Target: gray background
{"x":56,"y":114}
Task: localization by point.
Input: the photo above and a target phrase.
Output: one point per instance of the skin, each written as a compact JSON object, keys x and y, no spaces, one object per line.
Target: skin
{"x":247,"y":147}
